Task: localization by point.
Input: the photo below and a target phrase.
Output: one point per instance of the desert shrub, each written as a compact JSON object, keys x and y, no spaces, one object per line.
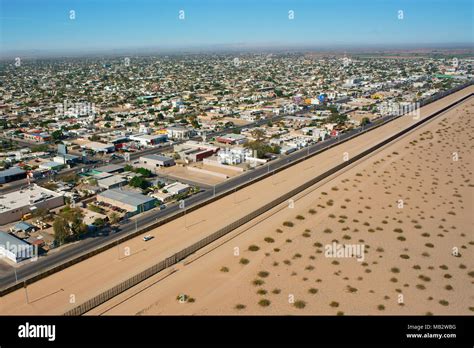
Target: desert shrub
{"x":300,"y":304}
{"x":244,"y":261}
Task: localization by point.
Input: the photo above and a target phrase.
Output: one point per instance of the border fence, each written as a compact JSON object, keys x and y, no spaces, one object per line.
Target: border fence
{"x":177,"y":257}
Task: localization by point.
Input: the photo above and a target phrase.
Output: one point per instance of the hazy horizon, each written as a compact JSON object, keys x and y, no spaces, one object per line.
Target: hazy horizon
{"x":84,"y":27}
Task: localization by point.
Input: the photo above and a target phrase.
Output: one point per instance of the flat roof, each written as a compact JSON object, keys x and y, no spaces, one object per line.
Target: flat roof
{"x":66,"y":156}
{"x":97,"y":145}
{"x":157,"y":157}
{"x":22,"y":198}
{"x":111,"y":180}
{"x":232,"y":136}
{"x":51,"y":164}
{"x":148,"y":136}
{"x":11,"y":171}
{"x":126,"y":197}
{"x":11,"y":243}
{"x":109,"y":168}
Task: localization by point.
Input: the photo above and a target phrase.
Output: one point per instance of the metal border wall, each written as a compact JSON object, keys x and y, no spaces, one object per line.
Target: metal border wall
{"x":127,"y":284}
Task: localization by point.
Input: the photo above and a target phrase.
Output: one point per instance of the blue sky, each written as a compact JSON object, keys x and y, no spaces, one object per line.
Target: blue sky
{"x":131,"y":24}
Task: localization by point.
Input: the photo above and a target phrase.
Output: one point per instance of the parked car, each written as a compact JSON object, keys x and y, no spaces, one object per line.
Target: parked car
{"x":147,"y":237}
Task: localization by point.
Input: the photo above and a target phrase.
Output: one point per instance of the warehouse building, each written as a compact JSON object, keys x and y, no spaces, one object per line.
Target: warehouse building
{"x":99,"y":147}
{"x":131,"y":201}
{"x":232,"y":139}
{"x":11,"y":174}
{"x":66,"y":158}
{"x":112,"y":181}
{"x":14,"y":205}
{"x":15,"y":249}
{"x":157,"y":161}
{"x":149,"y":139}
{"x":111,"y":169}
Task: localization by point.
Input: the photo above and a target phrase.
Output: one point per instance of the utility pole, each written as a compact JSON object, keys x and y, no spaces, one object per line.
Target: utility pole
{"x":26,"y":292}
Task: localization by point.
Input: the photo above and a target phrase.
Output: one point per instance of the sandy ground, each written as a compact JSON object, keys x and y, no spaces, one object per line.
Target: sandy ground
{"x":408,"y":267}
{"x":180,"y":172}
{"x":63,"y":290}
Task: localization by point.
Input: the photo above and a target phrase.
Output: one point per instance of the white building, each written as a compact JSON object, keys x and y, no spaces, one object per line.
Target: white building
{"x":177,"y":188}
{"x":233,"y":156}
{"x":15,"y":204}
{"x":15,"y":249}
{"x":179,"y":132}
{"x":149,"y":139}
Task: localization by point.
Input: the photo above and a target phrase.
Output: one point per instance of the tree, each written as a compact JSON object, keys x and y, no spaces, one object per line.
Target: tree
{"x":258,"y":134}
{"x":57,"y":135}
{"x":114,"y":218}
{"x":364,"y":121}
{"x":262,"y":149}
{"x":69,"y":223}
{"x":40,"y":148}
{"x":146,"y":173}
{"x":99,"y":222}
{"x":61,"y":232}
{"x":139,"y":182}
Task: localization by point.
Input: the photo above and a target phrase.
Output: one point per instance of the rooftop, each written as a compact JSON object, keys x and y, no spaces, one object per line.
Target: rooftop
{"x":11,"y":243}
{"x":11,"y":171}
{"x":112,"y":180}
{"x":127,"y":197}
{"x":157,"y":157}
{"x":109,"y":168}
{"x":25,"y":197}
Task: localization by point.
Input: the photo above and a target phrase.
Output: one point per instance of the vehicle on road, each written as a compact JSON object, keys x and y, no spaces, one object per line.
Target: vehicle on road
{"x":147,"y":237}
